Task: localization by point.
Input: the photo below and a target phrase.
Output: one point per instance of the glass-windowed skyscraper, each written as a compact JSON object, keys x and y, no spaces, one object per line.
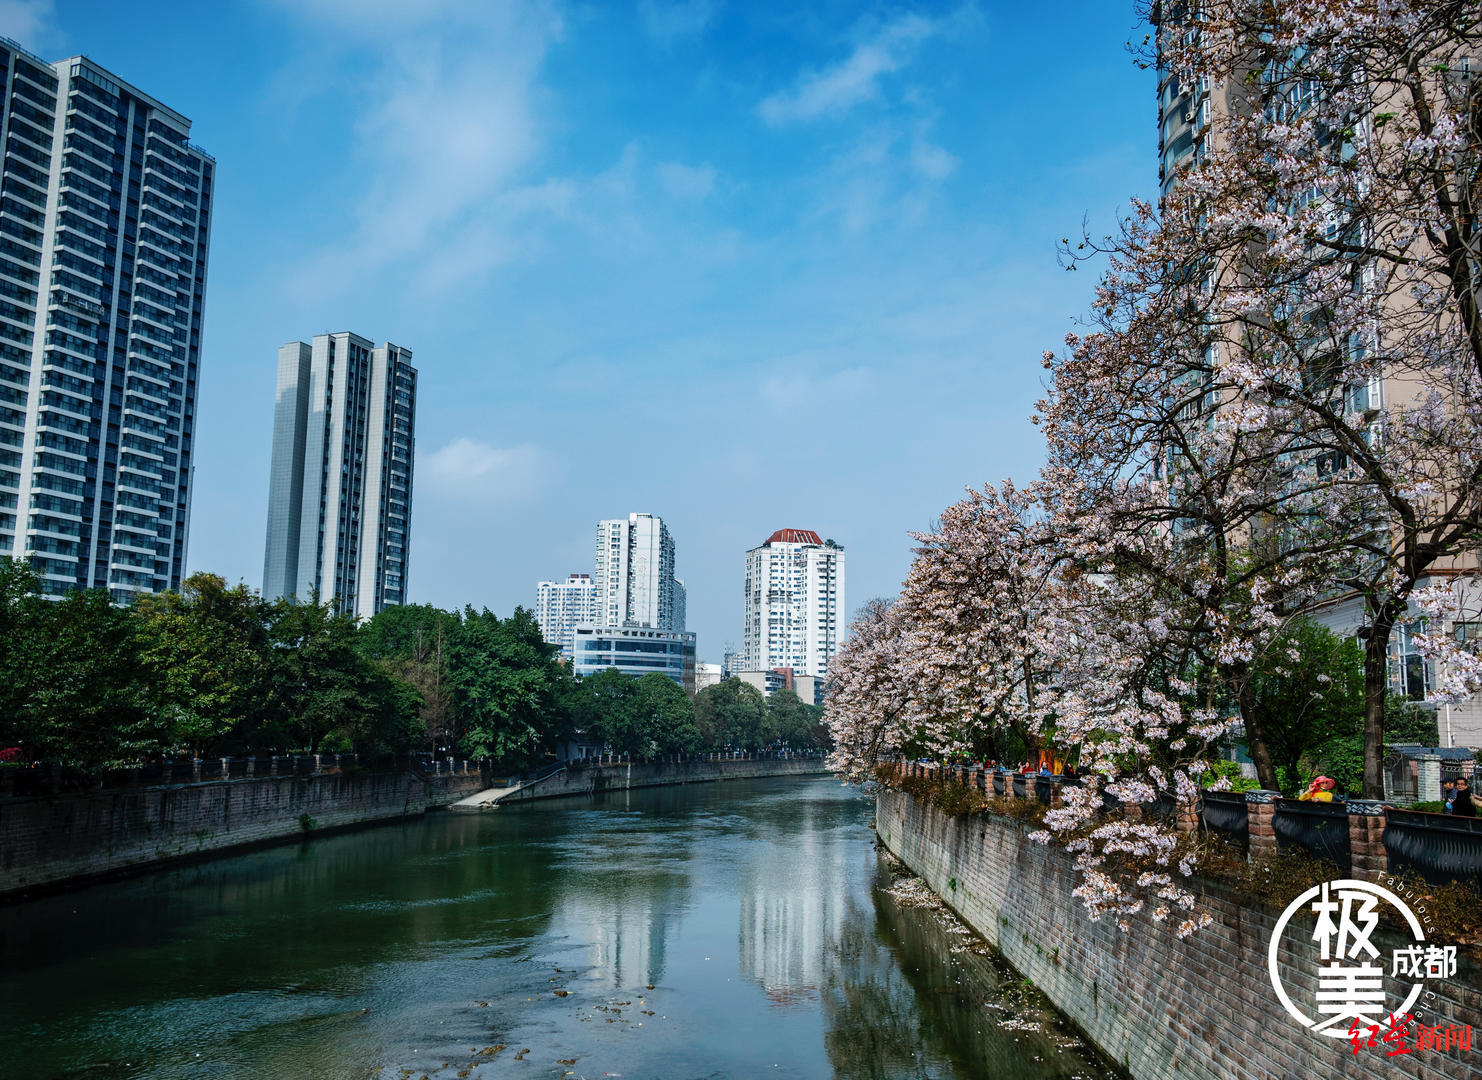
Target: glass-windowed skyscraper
{"x":340,"y":492}
{"x":105,"y":210}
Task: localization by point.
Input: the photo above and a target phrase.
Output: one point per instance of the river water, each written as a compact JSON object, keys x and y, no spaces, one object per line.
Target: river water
{"x":744,"y":929}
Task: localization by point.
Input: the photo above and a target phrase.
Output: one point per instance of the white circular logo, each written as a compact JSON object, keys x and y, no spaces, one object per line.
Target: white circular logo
{"x":1350,"y":971}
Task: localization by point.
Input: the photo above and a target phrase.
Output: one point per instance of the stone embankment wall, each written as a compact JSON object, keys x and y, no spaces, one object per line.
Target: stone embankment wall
{"x":1162,"y":1008}
{"x":47,"y":842}
{"x":598,"y":779}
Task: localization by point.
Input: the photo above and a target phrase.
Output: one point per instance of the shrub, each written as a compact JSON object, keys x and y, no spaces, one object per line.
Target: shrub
{"x":950,"y":796}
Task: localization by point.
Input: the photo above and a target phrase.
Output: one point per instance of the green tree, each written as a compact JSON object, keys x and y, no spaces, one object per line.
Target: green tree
{"x":84,"y":699}
{"x":507,"y":683}
{"x":666,"y":716}
{"x":1307,"y":691}
{"x":600,"y":705}
{"x":731,"y":714}
{"x":792,"y":722}
{"x":323,"y":685}
{"x":1405,"y":721}
{"x":17,"y":642}
{"x":207,"y":651}
{"x":413,"y":642}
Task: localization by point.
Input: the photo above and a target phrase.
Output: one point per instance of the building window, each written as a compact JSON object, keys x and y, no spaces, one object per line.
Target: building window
{"x":1409,"y":673}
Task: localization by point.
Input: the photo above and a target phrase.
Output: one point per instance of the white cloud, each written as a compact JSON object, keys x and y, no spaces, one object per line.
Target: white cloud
{"x":802,"y":389}
{"x":853,"y":80}
{"x":931,"y":161}
{"x":474,"y":473}
{"x":31,"y":22}
{"x":447,"y":126}
{"x":666,"y":20}
{"x":685,"y":181}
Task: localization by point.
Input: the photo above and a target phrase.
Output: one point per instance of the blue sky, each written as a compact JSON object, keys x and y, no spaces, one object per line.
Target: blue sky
{"x":747,"y":266}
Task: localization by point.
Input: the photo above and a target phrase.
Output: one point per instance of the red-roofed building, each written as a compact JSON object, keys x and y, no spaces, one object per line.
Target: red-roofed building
{"x":795,"y":615}
{"x":794,"y":536}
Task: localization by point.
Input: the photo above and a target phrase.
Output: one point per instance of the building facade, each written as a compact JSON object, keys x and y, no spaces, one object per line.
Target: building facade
{"x":707,"y":675}
{"x":766,"y":683}
{"x":105,"y":223}
{"x":808,"y":688}
{"x":634,"y":572}
{"x":635,"y":651}
{"x":794,"y":603}
{"x":340,"y":492}
{"x":561,"y":606}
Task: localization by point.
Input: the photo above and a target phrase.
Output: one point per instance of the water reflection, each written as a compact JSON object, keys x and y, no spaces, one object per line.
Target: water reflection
{"x":791,"y":907}
{"x":728,"y":930}
{"x":909,"y":997}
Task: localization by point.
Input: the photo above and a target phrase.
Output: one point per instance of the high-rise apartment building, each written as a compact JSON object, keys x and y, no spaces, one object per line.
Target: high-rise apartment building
{"x":105,"y":215}
{"x":560,"y":606}
{"x":340,"y":493}
{"x":634,"y":571}
{"x":794,"y":603}
{"x":1196,"y":118}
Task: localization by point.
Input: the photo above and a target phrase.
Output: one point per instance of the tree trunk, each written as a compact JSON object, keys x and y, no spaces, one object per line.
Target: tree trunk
{"x":1255,"y":737}
{"x":1376,"y":686}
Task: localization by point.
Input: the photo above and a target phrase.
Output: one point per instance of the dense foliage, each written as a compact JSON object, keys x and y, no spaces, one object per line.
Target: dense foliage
{"x":215,"y":670}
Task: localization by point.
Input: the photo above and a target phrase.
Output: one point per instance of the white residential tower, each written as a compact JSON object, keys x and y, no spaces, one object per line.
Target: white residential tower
{"x":634,"y":572}
{"x":560,"y":606}
{"x":794,"y":603}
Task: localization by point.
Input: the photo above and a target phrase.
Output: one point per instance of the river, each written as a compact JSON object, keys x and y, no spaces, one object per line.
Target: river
{"x":741,"y":929}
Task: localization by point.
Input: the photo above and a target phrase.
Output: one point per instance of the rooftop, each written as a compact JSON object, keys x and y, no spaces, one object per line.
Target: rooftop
{"x":794,"y":536}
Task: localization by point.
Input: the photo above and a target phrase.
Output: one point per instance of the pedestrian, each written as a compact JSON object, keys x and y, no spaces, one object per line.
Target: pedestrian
{"x":1320,"y":790}
{"x":1448,"y":795}
{"x":1462,"y":805}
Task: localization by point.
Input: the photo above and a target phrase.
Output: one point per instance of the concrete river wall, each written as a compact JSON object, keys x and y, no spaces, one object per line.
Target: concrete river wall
{"x":599,"y":779}
{"x":1161,"y":1008}
{"x":67,"y":839}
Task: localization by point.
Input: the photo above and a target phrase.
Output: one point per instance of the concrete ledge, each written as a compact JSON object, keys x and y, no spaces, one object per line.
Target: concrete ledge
{"x":49,"y":843}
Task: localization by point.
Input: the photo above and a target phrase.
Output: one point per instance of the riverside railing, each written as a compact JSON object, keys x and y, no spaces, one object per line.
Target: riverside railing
{"x":30,"y":780}
{"x":43,"y":779}
{"x":1361,"y":837}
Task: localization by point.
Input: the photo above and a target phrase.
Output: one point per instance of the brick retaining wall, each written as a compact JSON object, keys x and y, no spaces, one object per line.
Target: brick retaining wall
{"x":597,"y":779}
{"x":67,"y":839}
{"x":1163,"y":1009}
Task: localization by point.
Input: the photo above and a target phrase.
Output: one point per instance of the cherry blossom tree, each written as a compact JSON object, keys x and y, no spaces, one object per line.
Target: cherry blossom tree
{"x":1276,"y":407}
{"x":868,"y":694}
{"x":1292,"y":334}
{"x":979,"y":589}
{"x":1001,"y":628}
